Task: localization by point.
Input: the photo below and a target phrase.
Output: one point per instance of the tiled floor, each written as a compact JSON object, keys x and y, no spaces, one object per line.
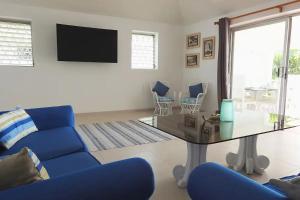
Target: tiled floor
{"x":282,"y":148}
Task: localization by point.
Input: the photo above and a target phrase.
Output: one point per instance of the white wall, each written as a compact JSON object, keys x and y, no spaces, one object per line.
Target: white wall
{"x":89,"y":87}
{"x":94,"y":87}
{"x":207,"y":72}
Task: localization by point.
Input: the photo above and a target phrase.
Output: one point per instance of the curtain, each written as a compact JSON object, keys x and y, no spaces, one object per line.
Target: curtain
{"x":223,"y":60}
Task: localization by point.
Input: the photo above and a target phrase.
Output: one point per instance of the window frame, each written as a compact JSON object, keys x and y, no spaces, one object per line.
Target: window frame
{"x":155,"y":48}
{"x":27,"y":22}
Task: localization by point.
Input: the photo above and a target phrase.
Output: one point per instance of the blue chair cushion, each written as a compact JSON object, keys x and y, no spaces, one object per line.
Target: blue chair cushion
{"x":70,"y":163}
{"x":50,"y":143}
{"x":195,"y":90}
{"x":160,"y":89}
{"x":165,"y":99}
{"x":189,"y":100}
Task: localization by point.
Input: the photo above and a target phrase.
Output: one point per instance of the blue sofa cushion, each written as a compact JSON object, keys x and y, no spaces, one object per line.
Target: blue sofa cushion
{"x":52,"y":117}
{"x":195,"y":90}
{"x":160,"y":89}
{"x":70,"y":163}
{"x":50,"y":143}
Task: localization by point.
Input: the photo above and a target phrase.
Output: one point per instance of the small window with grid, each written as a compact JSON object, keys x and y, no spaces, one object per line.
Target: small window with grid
{"x":15,"y":44}
{"x":144,"y":46}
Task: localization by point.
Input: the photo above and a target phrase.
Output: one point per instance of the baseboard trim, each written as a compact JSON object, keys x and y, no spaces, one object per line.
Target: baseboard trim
{"x":129,"y":110}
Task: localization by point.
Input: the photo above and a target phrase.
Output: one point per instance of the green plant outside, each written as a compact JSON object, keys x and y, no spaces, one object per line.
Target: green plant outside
{"x":294,"y":63}
{"x":273,"y":118}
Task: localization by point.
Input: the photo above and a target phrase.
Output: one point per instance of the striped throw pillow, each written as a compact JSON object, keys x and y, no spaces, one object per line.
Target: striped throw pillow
{"x":38,"y":165}
{"x":14,"y":126}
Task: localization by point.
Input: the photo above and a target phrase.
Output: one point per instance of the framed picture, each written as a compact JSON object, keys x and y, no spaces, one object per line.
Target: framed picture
{"x":193,"y":40}
{"x":192,"y":60}
{"x":209,"y":48}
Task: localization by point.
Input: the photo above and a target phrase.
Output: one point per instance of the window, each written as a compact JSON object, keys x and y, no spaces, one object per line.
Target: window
{"x":15,"y":44}
{"x":144,"y":50}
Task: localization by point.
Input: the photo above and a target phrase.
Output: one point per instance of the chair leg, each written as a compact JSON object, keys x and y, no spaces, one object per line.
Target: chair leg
{"x":195,"y":109}
{"x":163,"y":109}
{"x":170,"y":109}
{"x":155,"y":110}
{"x":183,"y":109}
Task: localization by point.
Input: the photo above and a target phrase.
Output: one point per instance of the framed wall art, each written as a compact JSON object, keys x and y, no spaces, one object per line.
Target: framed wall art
{"x":193,"y":40}
{"x":192,"y":60}
{"x":209,"y":48}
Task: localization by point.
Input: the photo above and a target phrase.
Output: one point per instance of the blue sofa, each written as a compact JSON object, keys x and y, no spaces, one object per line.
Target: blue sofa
{"x":211,"y":181}
{"x":75,"y":173}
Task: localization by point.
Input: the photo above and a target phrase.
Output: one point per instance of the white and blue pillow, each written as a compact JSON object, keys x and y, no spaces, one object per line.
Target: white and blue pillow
{"x":14,"y":126}
{"x":38,"y":165}
{"x":42,"y":172}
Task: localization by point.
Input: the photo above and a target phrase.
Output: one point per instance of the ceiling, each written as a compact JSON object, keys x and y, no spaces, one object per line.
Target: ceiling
{"x":169,"y":11}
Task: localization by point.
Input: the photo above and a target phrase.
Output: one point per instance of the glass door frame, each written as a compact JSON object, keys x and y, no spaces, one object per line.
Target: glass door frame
{"x":283,"y":70}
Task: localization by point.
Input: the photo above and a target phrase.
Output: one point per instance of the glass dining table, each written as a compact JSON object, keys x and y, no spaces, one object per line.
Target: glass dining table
{"x":201,"y":130}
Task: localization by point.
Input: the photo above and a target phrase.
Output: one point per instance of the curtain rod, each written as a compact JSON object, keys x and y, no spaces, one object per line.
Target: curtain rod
{"x":279,"y":7}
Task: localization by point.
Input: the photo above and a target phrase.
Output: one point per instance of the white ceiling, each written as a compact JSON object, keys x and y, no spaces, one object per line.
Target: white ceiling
{"x":169,"y":11}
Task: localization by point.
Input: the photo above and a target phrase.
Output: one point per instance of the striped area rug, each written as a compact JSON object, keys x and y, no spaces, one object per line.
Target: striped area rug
{"x":109,"y":135}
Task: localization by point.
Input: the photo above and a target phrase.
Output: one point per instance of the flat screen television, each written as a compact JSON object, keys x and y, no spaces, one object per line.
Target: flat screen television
{"x":83,"y":44}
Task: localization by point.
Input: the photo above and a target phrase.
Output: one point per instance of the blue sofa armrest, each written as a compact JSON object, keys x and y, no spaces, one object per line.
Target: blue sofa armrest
{"x":211,"y":181}
{"x":128,"y":179}
{"x":52,"y":117}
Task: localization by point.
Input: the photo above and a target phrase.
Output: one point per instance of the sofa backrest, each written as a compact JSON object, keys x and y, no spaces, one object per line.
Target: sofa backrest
{"x":51,"y":117}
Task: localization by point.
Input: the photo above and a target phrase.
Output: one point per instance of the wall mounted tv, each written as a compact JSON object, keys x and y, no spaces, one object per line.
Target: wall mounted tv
{"x":83,"y":44}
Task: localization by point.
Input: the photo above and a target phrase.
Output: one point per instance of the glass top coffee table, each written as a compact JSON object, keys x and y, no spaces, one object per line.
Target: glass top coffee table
{"x":199,"y":132}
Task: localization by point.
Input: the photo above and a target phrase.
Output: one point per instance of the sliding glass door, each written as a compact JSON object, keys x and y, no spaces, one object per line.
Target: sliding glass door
{"x":292,"y":107}
{"x":255,"y":82}
{"x":265,"y":63}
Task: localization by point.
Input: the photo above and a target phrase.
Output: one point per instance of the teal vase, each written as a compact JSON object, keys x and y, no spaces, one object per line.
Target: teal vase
{"x":227,"y":110}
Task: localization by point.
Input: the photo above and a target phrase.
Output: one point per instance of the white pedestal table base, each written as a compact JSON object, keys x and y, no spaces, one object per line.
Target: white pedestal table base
{"x":196,"y":155}
{"x":247,"y":157}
